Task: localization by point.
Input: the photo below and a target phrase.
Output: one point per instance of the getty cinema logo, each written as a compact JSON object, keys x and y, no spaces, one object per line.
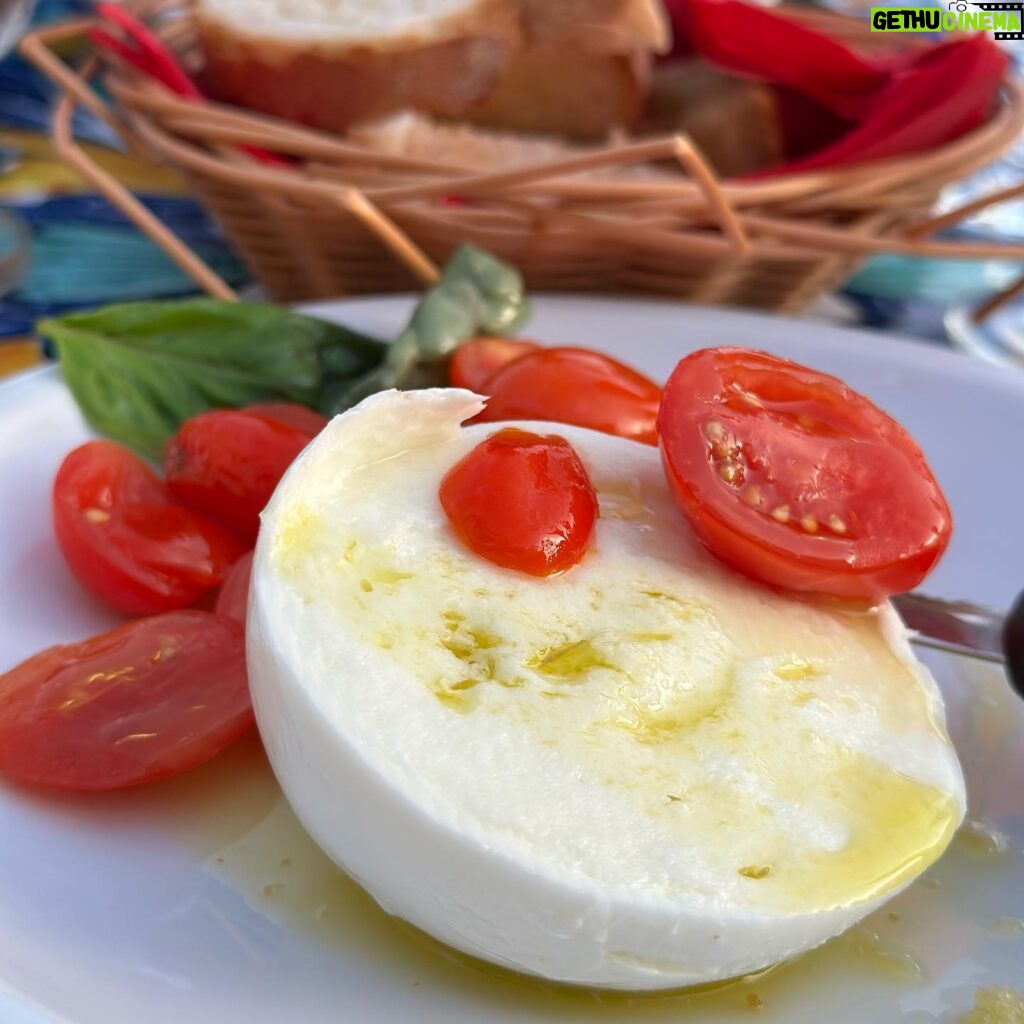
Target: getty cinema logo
{"x":1004,"y":20}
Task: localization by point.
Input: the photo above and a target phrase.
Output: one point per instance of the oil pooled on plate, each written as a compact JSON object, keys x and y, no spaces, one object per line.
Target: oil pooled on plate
{"x":922,"y":958}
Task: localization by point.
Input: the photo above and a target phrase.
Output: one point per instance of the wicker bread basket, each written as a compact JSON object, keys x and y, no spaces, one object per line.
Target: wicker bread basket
{"x":341,"y":219}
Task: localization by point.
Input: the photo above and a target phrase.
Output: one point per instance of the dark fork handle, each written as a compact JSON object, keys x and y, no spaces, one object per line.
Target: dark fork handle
{"x":1013,"y":644}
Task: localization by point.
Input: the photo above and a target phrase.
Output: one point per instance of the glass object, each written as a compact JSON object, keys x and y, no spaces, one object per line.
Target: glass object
{"x":998,"y":338}
{"x":14,"y":19}
{"x":15,"y":237}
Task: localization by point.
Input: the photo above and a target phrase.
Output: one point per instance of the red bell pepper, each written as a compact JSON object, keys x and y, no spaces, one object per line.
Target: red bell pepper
{"x":838,"y":107}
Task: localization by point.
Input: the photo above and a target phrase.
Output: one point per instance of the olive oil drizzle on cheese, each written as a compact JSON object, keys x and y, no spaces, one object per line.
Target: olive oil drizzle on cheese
{"x":661,"y":692}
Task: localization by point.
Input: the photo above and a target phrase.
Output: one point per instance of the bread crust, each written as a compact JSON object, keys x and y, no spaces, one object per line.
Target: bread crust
{"x":618,"y":27}
{"x":469,"y":63}
{"x":477,"y":18}
{"x":333,"y":94}
{"x":565,"y":92}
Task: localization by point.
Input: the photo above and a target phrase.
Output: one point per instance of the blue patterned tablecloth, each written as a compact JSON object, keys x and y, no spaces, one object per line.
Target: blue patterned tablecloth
{"x":84,"y":252}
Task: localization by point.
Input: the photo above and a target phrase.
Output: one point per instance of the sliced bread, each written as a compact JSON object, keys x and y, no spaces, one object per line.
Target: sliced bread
{"x":335,"y":63}
{"x":483,"y":149}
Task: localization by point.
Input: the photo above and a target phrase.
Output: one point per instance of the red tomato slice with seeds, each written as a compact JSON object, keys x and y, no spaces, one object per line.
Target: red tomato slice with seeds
{"x":124,"y":538}
{"x":152,"y":698}
{"x":577,"y":386}
{"x":225,"y":464}
{"x":790,"y":476}
{"x":476,"y":361}
{"x":522,"y":501}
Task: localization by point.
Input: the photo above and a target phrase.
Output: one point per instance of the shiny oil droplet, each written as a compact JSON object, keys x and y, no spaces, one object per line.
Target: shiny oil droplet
{"x":886,"y":955}
{"x":980,"y":839}
{"x":995,"y":1005}
{"x":623,"y":500}
{"x":1007,"y":928}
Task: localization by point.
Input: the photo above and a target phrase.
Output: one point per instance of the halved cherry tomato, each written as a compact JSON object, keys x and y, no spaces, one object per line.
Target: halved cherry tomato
{"x":152,"y":698}
{"x":523,"y":501}
{"x":793,"y":478}
{"x":124,"y":538}
{"x":475,"y":362}
{"x":298,"y":416}
{"x":575,"y":385}
{"x":233,"y":599}
{"x":226,"y":464}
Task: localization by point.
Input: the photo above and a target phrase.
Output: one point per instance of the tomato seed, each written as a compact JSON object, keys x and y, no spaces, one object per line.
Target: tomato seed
{"x":835,"y":524}
{"x":715,"y":432}
{"x":731,"y":472}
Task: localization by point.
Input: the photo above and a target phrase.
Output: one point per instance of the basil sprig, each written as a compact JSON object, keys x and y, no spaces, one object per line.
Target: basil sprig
{"x":477,"y":294}
{"x":139,"y":370}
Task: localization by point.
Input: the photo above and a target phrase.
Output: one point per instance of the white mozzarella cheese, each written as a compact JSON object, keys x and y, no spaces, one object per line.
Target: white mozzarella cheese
{"x":644,"y":773}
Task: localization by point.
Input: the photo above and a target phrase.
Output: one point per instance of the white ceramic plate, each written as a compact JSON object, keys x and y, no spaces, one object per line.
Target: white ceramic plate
{"x":201,"y":900}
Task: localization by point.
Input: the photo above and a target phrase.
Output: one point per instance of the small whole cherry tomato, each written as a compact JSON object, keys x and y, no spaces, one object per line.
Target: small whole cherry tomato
{"x":233,"y":599}
{"x":152,"y":698}
{"x":791,"y":477}
{"x":124,"y":538}
{"x":575,"y":385}
{"x":299,"y":416}
{"x":522,"y":501}
{"x":226,"y":464}
{"x":476,"y":361}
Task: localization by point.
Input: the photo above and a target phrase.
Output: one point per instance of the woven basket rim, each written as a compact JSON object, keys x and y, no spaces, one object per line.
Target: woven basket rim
{"x":774,"y":242}
{"x":968,"y":151}
{"x":146,"y":101}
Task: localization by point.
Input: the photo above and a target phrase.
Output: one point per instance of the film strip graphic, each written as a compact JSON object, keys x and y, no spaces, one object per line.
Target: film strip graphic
{"x":1018,"y":7}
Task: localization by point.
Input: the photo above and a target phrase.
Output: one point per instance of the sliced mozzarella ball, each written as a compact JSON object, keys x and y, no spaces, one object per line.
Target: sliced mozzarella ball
{"x":644,"y":773}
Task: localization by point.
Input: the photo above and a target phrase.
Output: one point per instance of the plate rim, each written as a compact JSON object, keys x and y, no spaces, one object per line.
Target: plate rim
{"x":910,"y":347}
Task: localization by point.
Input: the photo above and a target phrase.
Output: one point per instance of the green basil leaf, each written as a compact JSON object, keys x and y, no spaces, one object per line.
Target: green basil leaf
{"x":139,"y":370}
